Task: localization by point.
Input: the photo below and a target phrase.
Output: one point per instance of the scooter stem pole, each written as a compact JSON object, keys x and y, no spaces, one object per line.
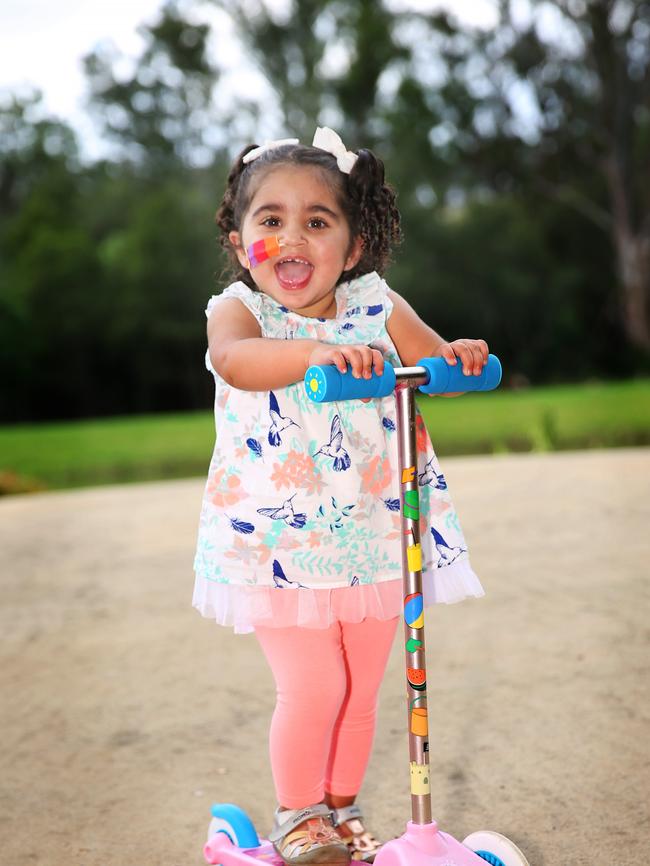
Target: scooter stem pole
{"x":407,"y":379}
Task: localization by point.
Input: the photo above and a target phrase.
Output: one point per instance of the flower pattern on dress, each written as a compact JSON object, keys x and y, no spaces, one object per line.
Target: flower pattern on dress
{"x":296,"y":469}
{"x":376,"y":475}
{"x":225,"y":489}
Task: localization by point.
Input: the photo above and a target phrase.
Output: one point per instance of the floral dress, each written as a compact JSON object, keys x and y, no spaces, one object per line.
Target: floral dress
{"x":300,"y":520}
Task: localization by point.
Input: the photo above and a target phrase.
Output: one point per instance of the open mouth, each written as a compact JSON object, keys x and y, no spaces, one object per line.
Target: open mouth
{"x":293,"y":272}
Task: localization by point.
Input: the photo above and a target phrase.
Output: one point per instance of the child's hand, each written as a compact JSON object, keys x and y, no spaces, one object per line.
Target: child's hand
{"x":362,"y":359}
{"x":472,"y":353}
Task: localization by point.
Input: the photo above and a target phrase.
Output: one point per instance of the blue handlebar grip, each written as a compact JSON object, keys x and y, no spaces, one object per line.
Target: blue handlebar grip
{"x":326,"y":383}
{"x":445,"y":378}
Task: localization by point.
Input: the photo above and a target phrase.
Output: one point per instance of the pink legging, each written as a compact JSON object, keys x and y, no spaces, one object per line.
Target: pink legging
{"x":324,"y":721}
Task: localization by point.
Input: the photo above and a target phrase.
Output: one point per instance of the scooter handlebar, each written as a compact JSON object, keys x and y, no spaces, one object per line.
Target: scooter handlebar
{"x":326,"y":383}
{"x":447,"y":378}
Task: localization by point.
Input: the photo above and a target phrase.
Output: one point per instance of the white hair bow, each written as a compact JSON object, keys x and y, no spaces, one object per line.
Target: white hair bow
{"x":326,"y":139}
{"x":268,"y":145}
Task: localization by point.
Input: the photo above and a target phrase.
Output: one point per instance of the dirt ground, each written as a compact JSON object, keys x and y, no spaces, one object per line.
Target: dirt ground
{"x":125,"y":714}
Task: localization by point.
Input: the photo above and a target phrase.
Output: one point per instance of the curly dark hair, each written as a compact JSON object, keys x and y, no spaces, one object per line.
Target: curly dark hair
{"x":367,"y":202}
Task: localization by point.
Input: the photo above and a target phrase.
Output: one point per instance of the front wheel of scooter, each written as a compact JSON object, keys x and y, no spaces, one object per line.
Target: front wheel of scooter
{"x":495,"y":849}
{"x":232,"y":822}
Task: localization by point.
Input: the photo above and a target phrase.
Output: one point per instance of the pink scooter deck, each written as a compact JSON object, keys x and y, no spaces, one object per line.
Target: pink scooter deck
{"x":425,"y":845}
{"x":421,"y":845}
{"x":219,"y":849}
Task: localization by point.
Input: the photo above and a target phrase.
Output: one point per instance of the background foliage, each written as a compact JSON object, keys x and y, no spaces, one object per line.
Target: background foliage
{"x":520,"y":155}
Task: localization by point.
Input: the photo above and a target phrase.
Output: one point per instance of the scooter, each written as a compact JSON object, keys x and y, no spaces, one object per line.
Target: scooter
{"x":232,"y":839}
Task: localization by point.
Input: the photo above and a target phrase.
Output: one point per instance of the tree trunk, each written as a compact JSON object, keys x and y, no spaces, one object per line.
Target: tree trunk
{"x":633,"y":253}
{"x":633,"y":261}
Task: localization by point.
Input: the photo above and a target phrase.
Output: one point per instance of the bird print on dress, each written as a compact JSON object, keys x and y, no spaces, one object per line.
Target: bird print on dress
{"x":280,"y":579}
{"x":430,"y":476}
{"x":446,"y":553}
{"x":285,"y":512}
{"x":334,"y":448}
{"x":278,"y":422}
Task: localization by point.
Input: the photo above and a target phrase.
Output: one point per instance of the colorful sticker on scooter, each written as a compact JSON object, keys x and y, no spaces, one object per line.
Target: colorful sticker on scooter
{"x":408,"y":474}
{"x":417,"y":678}
{"x":414,"y":610}
{"x":411,"y":504}
{"x":420,"y":778}
{"x":414,"y":557}
{"x":413,"y":645}
{"x":419,"y":722}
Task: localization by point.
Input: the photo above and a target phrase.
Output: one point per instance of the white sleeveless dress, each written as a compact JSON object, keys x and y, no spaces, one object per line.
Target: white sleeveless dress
{"x":300,"y":521}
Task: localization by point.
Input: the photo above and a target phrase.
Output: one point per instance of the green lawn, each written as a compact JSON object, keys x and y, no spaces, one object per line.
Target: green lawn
{"x":72,"y":454}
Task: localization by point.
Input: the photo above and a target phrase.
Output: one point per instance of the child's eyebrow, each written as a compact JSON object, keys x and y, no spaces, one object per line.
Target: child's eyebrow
{"x":324,"y":209}
{"x":263,"y":207}
{"x":321,"y":208}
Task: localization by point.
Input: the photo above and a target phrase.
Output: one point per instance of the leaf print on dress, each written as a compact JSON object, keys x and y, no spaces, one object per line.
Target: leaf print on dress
{"x":430,"y":476}
{"x":364,"y":559}
{"x":280,"y":579}
{"x":278,"y":422}
{"x":255,"y":447}
{"x":241,"y":526}
{"x":336,"y":516}
{"x":446,"y":554}
{"x":334,"y":448}
{"x":285,"y":512}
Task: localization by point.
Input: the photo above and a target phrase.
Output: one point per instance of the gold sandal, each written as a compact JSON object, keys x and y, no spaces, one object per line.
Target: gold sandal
{"x":362,"y":845}
{"x":306,"y":836}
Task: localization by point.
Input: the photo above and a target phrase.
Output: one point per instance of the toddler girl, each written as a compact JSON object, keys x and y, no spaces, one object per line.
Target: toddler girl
{"x":299,"y":537}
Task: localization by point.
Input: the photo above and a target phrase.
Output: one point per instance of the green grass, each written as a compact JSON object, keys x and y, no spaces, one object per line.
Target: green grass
{"x":75,"y":454}
{"x":105,"y":451}
{"x":542,"y":419}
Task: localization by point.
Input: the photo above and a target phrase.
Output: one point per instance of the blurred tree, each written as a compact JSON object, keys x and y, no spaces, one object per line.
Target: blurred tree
{"x":160,"y":111}
{"x":46,"y":259}
{"x":323,"y":58}
{"x":582,"y":70}
{"x":104,"y":273}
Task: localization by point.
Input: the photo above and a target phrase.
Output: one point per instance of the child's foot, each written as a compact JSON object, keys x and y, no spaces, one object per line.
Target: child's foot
{"x":306,"y":836}
{"x":362,"y":845}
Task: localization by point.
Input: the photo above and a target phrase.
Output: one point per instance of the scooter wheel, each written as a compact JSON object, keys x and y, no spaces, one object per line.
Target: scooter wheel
{"x":495,"y":849}
{"x":235,"y":823}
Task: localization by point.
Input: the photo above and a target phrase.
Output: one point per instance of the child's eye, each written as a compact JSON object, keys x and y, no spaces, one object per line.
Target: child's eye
{"x":271,"y":221}
{"x":317,"y":223}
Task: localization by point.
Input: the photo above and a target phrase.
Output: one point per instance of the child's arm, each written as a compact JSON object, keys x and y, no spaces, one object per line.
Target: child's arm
{"x":250,"y":362}
{"x":414,"y":339}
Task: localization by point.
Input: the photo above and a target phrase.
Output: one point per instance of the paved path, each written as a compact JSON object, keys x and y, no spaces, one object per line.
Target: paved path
{"x":124,"y":714}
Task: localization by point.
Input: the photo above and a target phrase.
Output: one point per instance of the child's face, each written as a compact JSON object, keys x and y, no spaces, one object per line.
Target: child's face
{"x":295,"y":203}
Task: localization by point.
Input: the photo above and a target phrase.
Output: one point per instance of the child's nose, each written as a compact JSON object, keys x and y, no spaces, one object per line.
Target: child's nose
{"x":293,"y":235}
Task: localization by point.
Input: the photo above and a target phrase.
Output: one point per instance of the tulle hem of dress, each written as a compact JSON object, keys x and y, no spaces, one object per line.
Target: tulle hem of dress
{"x":243,"y":607}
